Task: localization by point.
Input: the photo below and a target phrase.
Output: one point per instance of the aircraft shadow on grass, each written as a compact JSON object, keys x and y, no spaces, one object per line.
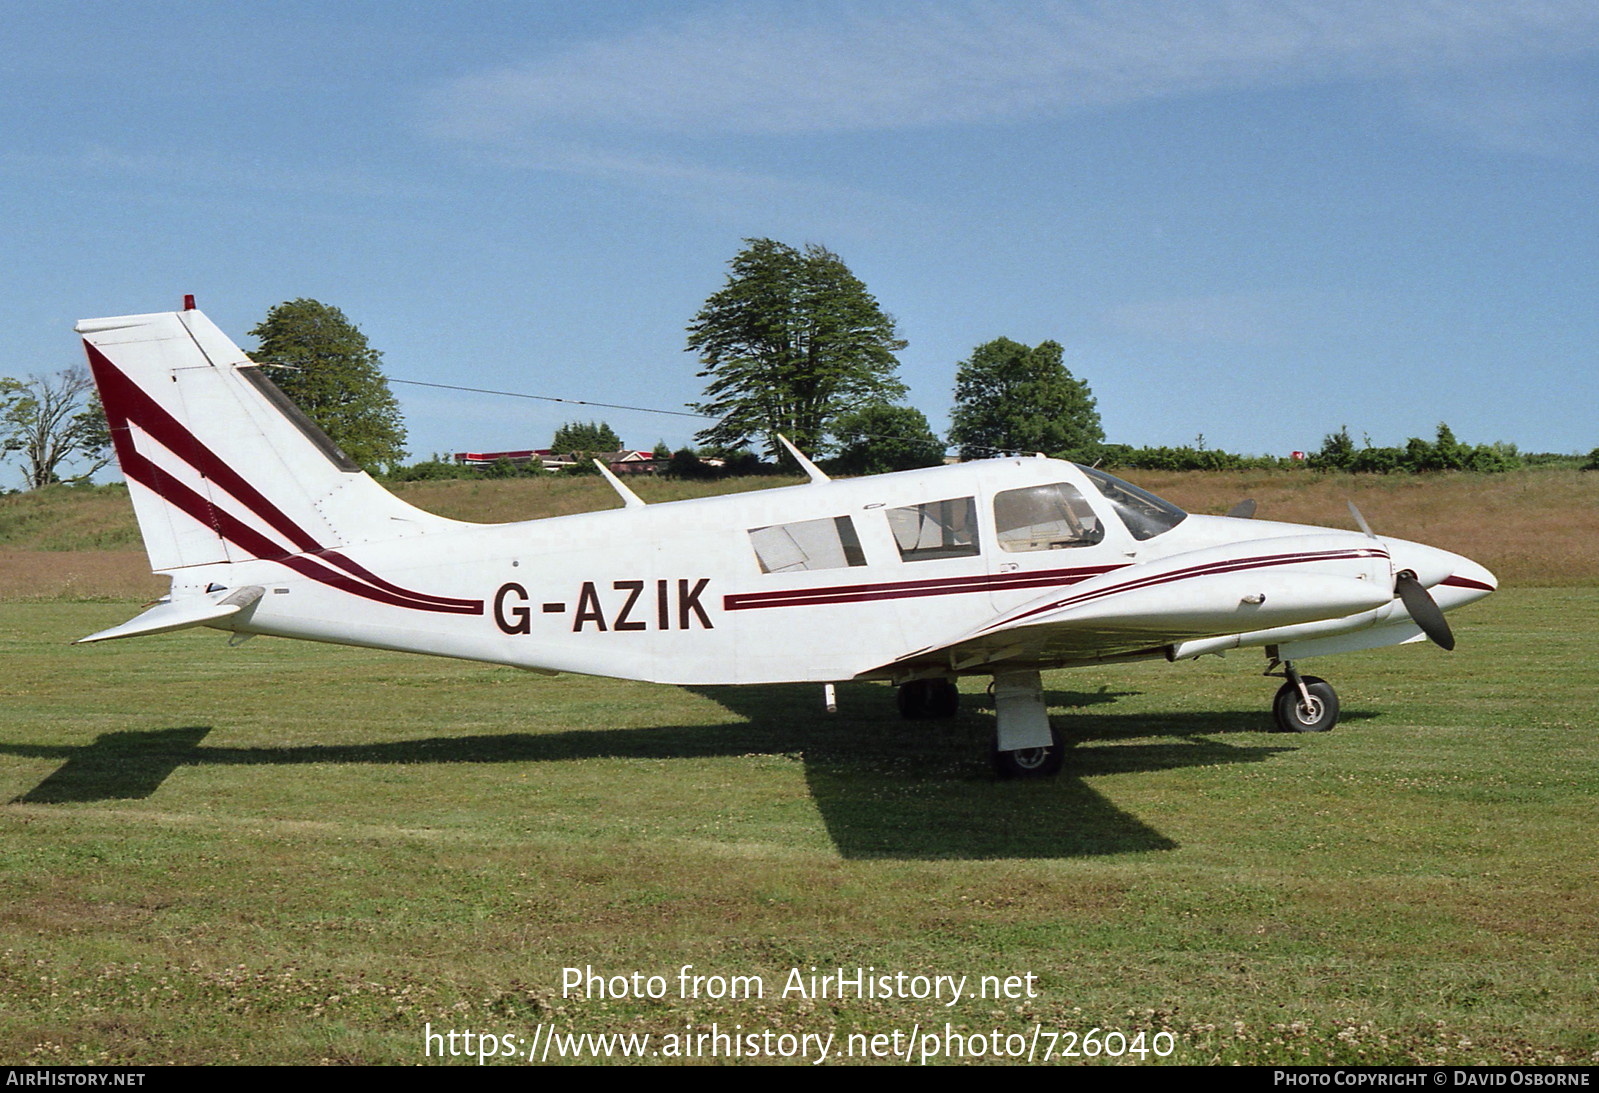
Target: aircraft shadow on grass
{"x":886,"y":788}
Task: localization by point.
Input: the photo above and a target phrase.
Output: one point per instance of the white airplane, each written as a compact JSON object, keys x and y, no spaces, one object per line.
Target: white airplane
{"x":1001,"y":567}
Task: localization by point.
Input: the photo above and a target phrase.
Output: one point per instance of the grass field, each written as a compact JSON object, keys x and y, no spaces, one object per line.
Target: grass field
{"x":292,"y":853}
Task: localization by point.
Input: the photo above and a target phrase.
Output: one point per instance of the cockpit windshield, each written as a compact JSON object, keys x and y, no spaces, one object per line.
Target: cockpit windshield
{"x":1145,"y":515}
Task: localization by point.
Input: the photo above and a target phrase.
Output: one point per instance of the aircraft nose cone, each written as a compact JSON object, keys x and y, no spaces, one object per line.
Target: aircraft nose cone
{"x":1468,"y":576}
{"x":1451,"y":579}
{"x":1430,"y":565}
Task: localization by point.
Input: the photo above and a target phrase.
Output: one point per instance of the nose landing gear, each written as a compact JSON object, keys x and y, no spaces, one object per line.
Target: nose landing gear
{"x":1303,"y":703}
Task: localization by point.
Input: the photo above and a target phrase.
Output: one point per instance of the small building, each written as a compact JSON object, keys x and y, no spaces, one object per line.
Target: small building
{"x":625,"y":461}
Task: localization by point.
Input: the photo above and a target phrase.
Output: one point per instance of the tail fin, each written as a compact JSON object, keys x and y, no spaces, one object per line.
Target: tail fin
{"x":222,"y":467}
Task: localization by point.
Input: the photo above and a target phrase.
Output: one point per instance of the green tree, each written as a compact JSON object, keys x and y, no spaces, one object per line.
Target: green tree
{"x":685,"y":464}
{"x":1337,"y":452}
{"x":880,"y":438}
{"x":791,"y":342}
{"x":322,"y":361}
{"x":1448,"y":454}
{"x":1013,"y":398}
{"x":586,"y":438}
{"x":53,"y":420}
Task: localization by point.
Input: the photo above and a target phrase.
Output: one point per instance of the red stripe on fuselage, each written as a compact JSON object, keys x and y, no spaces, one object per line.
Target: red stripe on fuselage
{"x":1234,"y":565}
{"x":896,"y":590}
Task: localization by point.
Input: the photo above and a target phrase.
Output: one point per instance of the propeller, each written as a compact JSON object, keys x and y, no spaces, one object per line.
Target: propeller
{"x":1423,"y":609}
{"x":1360,"y":520}
{"x":1243,"y":510}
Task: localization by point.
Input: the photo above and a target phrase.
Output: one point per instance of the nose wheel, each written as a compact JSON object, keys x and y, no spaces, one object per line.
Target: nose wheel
{"x":1304,"y":703}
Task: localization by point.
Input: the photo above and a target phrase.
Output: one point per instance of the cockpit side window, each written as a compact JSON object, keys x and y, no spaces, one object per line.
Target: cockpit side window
{"x":935,"y":529}
{"x":1048,"y":517}
{"x":1145,"y":515}
{"x":829,"y":543}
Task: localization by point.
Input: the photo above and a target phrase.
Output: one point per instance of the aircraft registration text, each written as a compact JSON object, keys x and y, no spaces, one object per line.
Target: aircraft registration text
{"x":623,"y":607}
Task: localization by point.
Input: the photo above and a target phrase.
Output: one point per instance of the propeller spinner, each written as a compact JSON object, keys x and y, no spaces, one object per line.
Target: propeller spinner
{"x":1422,"y":608}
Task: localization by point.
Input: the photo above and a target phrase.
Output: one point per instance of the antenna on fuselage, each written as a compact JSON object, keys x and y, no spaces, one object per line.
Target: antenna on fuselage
{"x":630,"y":499}
{"x":816,"y":473}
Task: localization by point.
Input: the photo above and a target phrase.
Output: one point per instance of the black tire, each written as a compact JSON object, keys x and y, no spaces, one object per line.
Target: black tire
{"x":943,"y":699}
{"x":1031,"y":762}
{"x":927,"y":699}
{"x":912,"y":699}
{"x":1290,"y":714}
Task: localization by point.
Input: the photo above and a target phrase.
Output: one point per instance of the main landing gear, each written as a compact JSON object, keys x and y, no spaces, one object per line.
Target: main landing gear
{"x":1042,"y":762}
{"x":928,"y":699}
{"x":1303,"y":703}
{"x":1025,"y":744}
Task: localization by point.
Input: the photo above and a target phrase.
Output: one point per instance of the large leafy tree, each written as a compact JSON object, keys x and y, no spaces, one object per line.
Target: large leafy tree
{"x":792,"y":341}
{"x":587,"y":437}
{"x":880,"y":438}
{"x":1014,"y":398}
{"x":322,"y":361}
{"x":51,"y":421}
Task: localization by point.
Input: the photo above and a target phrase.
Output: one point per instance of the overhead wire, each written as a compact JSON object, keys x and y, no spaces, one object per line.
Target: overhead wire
{"x":618,"y":406}
{"x":554,"y":398}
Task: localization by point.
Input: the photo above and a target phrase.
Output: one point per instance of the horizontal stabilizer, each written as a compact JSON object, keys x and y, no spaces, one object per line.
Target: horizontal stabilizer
{"x":167,"y":615}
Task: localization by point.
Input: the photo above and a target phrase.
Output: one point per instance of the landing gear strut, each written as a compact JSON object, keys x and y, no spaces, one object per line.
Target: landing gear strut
{"x":1304,"y":703}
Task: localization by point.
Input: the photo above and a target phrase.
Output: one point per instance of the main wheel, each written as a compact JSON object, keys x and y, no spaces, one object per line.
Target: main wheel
{"x":1032,"y":762}
{"x":1293,"y":715}
{"x":922,"y":699}
{"x":912,"y":699}
{"x":943,"y":699}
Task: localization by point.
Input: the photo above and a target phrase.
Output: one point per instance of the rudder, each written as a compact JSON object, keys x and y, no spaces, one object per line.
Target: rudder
{"x":221,"y":466}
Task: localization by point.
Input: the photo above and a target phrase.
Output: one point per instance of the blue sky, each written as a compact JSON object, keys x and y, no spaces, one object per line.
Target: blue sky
{"x":1253,"y":220}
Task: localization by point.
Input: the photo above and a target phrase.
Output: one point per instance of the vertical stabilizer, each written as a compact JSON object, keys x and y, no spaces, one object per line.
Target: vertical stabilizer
{"x":222,"y":467}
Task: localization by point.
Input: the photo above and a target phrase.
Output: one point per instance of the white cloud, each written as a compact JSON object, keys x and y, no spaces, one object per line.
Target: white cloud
{"x":732,"y":194}
{"x":1549,"y":115}
{"x":789,"y":69}
{"x":202,"y":170}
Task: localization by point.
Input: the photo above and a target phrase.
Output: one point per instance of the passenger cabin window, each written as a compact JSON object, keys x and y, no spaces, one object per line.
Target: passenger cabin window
{"x":810,"y":544}
{"x":936,"y":529}
{"x":1045,"y":518}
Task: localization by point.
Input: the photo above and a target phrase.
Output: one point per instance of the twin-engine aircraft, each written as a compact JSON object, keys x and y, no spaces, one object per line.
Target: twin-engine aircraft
{"x":1002,"y":567}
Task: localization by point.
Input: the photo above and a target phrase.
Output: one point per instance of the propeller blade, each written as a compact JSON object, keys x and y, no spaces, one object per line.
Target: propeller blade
{"x":1360,"y":520}
{"x":1424,"y":610}
{"x":1243,"y":510}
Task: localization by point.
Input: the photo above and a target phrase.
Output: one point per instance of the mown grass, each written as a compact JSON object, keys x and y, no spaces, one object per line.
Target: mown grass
{"x":286,"y":852}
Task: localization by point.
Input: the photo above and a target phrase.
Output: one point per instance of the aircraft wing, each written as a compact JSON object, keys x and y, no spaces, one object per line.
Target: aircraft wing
{"x":1139,"y":610}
